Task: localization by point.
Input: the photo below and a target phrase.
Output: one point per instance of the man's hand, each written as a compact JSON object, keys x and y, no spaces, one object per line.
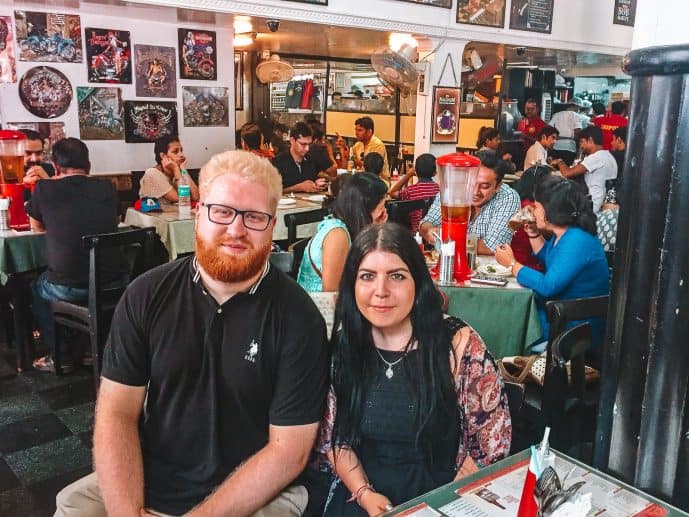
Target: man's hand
{"x":321,"y":183}
{"x":34,"y":174}
{"x":426,"y":230}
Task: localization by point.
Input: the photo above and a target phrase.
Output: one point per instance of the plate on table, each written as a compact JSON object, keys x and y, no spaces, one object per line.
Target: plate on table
{"x":287,"y":201}
{"x":494,"y":270}
{"x":316,"y":198}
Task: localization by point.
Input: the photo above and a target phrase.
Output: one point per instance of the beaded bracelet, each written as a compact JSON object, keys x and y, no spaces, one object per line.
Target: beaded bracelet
{"x":356,"y":495}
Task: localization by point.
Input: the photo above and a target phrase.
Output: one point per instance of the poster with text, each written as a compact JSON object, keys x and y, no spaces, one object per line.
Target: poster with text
{"x":50,"y":132}
{"x":490,"y":13}
{"x":205,"y":106}
{"x":51,"y":37}
{"x":532,"y":15}
{"x":446,"y":102}
{"x":108,"y":56}
{"x":146,"y":121}
{"x":100,"y":113}
{"x":625,"y":12}
{"x":155,"y":71}
{"x":198,"y":54}
{"x":8,"y":69}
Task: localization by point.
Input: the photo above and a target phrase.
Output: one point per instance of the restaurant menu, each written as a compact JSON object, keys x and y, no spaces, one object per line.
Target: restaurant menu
{"x":325,"y":301}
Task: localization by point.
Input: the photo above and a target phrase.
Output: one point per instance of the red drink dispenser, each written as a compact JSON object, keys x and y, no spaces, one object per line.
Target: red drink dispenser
{"x":457,"y":173}
{"x":12,"y":175}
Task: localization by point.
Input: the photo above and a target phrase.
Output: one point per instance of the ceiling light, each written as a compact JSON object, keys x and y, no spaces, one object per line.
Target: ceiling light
{"x":243,"y":40}
{"x":397,"y":39}
{"x":242,"y":24}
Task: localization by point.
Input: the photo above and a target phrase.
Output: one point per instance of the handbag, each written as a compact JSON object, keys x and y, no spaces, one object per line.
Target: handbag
{"x":531,"y":368}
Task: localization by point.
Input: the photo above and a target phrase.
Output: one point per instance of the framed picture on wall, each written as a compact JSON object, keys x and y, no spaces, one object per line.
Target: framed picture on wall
{"x":489,"y":13}
{"x":205,"y":106}
{"x":8,"y":68}
{"x":625,"y":12}
{"x":447,"y":4}
{"x":532,"y":15}
{"x":51,"y":37}
{"x":146,"y":121}
{"x":239,"y":81}
{"x":108,"y":56}
{"x":446,"y":101}
{"x":198,"y":54}
{"x":155,"y":71}
{"x":317,"y":2}
{"x":100,"y":113}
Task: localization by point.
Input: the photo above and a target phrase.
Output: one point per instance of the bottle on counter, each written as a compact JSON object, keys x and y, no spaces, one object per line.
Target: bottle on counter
{"x":184,"y":193}
{"x":350,"y":164}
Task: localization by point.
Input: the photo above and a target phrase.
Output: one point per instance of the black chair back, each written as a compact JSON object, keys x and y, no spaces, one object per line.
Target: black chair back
{"x":398,"y":211}
{"x":571,"y":346}
{"x":295,"y":219}
{"x":283,"y":260}
{"x":297,"y":250}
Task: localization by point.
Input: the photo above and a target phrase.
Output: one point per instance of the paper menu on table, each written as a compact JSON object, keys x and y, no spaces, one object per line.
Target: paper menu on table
{"x":325,"y":301}
{"x":419,"y":510}
{"x":462,"y":508}
{"x":499,"y":495}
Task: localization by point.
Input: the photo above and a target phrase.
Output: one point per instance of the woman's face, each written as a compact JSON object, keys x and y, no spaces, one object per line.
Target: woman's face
{"x":384,"y":290}
{"x":493,"y":143}
{"x":539,"y":214}
{"x":176,"y":153}
{"x":379,"y":214}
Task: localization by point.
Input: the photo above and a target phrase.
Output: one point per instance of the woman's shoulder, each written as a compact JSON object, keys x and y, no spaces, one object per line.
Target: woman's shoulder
{"x":330,"y":223}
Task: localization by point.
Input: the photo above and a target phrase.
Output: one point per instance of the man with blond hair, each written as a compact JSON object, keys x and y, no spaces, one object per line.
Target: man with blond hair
{"x":214,"y":374}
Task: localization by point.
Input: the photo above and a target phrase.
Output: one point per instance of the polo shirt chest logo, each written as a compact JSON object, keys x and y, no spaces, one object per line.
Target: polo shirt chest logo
{"x":252,"y":352}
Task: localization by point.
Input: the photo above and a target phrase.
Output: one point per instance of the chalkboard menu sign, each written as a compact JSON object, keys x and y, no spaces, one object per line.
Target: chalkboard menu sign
{"x":625,"y":12}
{"x":532,"y":15}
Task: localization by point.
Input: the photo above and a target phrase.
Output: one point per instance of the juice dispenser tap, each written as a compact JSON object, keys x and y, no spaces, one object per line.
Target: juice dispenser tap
{"x":457,"y":173}
{"x":12,"y":145}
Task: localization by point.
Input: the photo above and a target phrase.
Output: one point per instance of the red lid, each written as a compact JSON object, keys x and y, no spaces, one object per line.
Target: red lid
{"x":458,"y":160}
{"x":11,"y":134}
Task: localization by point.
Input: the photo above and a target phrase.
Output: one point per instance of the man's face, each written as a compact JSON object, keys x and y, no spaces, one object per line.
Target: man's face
{"x":300,"y":146}
{"x":531,"y":109}
{"x":617,"y":144}
{"x":486,"y":187}
{"x":549,"y":141}
{"x":362,"y":134}
{"x":586,"y":145}
{"x":33,"y":153}
{"x":233,"y":253}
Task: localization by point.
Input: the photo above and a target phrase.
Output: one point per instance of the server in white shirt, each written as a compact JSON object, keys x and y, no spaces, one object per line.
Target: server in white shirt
{"x":568,"y":122}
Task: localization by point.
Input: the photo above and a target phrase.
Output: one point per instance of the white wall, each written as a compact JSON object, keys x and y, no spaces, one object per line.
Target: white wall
{"x":147,"y":25}
{"x":661,"y":24}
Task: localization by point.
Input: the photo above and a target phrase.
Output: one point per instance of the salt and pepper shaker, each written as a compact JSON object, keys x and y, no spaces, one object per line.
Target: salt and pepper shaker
{"x":447,"y":263}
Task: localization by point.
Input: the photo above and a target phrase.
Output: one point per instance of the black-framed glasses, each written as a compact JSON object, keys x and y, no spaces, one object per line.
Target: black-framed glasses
{"x":223,"y":214}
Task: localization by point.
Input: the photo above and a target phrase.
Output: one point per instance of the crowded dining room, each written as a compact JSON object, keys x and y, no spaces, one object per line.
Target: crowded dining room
{"x":340,"y":258}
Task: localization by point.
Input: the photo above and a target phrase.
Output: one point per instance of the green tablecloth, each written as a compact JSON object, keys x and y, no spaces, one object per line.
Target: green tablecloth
{"x":505,"y":318}
{"x":20,"y":252}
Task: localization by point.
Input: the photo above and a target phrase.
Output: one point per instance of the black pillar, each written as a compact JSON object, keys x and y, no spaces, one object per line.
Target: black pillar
{"x":641,"y":424}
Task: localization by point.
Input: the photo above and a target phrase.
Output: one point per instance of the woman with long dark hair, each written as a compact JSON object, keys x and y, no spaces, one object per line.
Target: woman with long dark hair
{"x":360,"y":202}
{"x":564,"y":240}
{"x":416,"y":400}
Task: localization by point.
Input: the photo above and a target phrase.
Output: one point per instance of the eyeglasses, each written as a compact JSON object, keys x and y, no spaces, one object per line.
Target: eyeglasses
{"x":303,"y":144}
{"x":251,"y":219}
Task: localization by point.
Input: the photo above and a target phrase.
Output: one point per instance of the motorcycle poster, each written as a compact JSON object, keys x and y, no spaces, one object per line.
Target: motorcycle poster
{"x":45,"y":92}
{"x":100,"y":113}
{"x":146,"y":121}
{"x":198,"y":54}
{"x":155,"y":71}
{"x":108,"y":54}
{"x":205,"y":107}
{"x":49,"y":37}
{"x":8,"y":68}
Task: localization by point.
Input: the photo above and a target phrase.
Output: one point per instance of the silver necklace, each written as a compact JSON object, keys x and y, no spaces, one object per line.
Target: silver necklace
{"x":388,"y":371}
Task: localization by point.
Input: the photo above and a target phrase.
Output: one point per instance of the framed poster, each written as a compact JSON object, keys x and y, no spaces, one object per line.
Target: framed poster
{"x":198,"y":54}
{"x":108,"y":56}
{"x":239,"y":81}
{"x":8,"y":68}
{"x":146,"y":121}
{"x":51,"y":37}
{"x":45,"y":92}
{"x":100,"y":113}
{"x":155,"y":71}
{"x":205,"y":106}
{"x":446,"y":101}
{"x":532,"y":15}
{"x":490,"y":13}
{"x":625,"y":12}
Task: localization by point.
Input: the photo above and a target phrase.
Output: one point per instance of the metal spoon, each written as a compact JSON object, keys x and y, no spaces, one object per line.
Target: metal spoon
{"x":553,"y":502}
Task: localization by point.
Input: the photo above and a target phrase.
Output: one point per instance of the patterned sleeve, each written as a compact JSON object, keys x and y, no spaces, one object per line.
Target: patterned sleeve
{"x":485,"y":424}
{"x":498,"y":231}
{"x":325,"y":430}
{"x":433,"y":215}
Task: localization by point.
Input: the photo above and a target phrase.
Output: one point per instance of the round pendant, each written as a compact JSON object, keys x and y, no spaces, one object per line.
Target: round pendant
{"x":389,"y":373}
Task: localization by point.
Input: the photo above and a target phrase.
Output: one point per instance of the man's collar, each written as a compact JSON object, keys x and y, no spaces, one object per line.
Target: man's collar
{"x":196,"y":276}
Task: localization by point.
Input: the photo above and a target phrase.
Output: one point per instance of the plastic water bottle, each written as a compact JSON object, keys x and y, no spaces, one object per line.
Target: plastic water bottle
{"x":184,"y":194}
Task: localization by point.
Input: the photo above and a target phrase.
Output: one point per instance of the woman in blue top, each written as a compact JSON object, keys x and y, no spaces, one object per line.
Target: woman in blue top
{"x":360,"y":202}
{"x":574,"y":260}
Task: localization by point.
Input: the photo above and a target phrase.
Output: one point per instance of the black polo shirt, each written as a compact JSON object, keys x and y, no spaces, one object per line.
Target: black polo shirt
{"x":217,"y":375}
{"x":293,"y":173}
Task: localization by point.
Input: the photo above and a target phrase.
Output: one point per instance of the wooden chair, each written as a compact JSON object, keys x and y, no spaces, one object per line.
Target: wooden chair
{"x":295,"y":219}
{"x":398,"y":211}
{"x":94,"y":318}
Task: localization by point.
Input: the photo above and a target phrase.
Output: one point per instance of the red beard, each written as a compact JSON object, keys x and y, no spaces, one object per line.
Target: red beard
{"x":227,"y":268}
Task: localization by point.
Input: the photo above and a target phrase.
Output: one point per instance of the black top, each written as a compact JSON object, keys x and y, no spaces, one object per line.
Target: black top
{"x":70,"y":208}
{"x":218,"y":375}
{"x":318,"y":154}
{"x":291,"y":172}
{"x":619,"y":158}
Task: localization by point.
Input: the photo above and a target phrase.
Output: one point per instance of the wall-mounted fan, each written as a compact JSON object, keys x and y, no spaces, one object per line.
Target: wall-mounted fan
{"x":272,"y":70}
{"x":396,"y":68}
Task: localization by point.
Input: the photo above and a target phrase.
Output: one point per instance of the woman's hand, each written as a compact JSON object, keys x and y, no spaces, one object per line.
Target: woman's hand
{"x":374,"y":503}
{"x":169,"y":165}
{"x":504,"y":255}
{"x":467,"y":468}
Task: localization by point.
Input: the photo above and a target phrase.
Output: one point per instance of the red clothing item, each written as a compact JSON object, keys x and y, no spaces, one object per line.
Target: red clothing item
{"x":609,"y":123}
{"x":530,"y":129}
{"x":263,"y":153}
{"x":420,"y":190}
{"x":521,"y":247}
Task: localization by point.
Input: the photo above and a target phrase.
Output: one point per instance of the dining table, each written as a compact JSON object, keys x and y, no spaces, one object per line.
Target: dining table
{"x":176,"y":230}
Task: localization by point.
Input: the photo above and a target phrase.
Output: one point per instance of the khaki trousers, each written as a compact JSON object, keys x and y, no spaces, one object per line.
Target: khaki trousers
{"x":83,"y":499}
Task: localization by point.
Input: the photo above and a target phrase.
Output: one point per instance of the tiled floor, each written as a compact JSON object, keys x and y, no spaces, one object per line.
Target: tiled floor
{"x":45,"y":436}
